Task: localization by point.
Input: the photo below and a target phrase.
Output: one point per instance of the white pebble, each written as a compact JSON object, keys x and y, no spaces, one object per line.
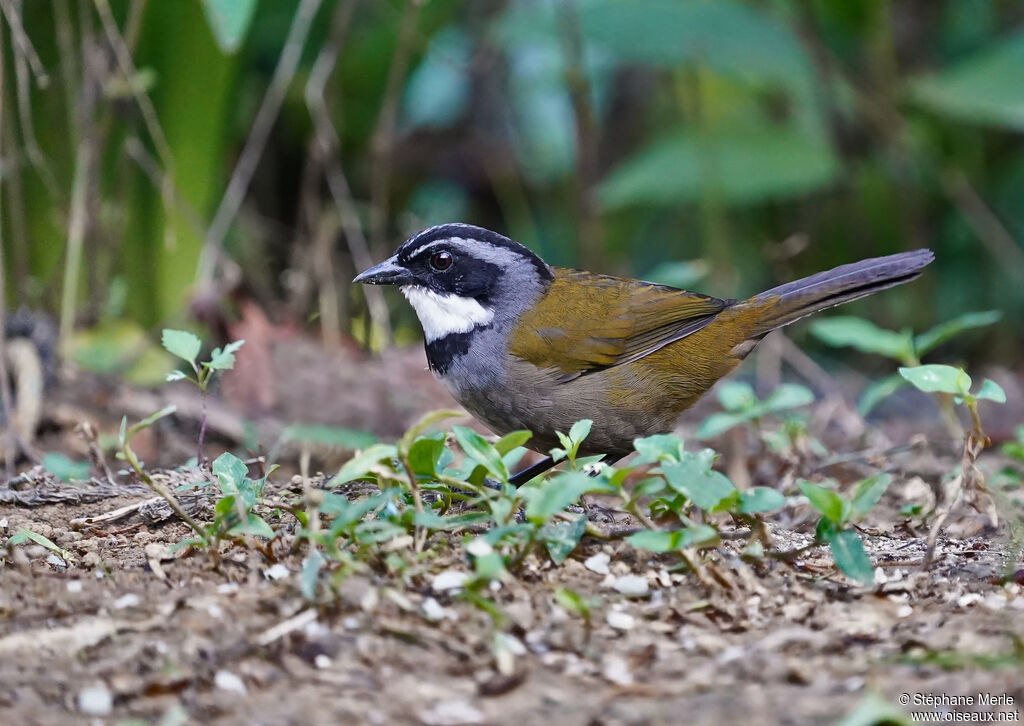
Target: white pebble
{"x":96,"y":700}
{"x":128,"y":600}
{"x":451,"y":713}
{"x":631,"y":585}
{"x":433,"y":610}
{"x":969,"y":599}
{"x":598,"y":563}
{"x":479,"y":547}
{"x":449,"y":580}
{"x":904,"y":611}
{"x":228,"y":681}
{"x":74,"y":586}
{"x":616,"y":670}
{"x":277,"y":572}
{"x":620,"y":620}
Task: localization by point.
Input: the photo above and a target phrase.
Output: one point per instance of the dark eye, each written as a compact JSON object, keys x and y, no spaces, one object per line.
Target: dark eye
{"x":441,"y":261}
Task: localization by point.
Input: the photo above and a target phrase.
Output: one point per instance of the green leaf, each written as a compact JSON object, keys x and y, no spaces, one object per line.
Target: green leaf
{"x":738,"y":165}
{"x":732,"y":38}
{"x":848,"y":553}
{"x":760,"y":499}
{"x":425,"y":422}
{"x":736,"y":396}
{"x":936,"y":378}
{"x":561,"y":538}
{"x":182,"y":343}
{"x":230,"y":472}
{"x":694,"y":478}
{"x":876,"y":391}
{"x":942,"y":332}
{"x":826,"y":501}
{"x":229,"y":20}
{"x":255,"y":525}
{"x":867,"y":493}
{"x":511,"y":440}
{"x":558,"y":492}
{"x":573,"y":602}
{"x":580,"y":430}
{"x":991,"y":391}
{"x":64,"y":468}
{"x":176,"y":376}
{"x":25,"y":535}
{"x":784,"y":397}
{"x":719,"y":423}
{"x":982,"y":89}
{"x":481,"y":452}
{"x":843,"y":331}
{"x":873,"y":710}
{"x":425,"y":456}
{"x":310,"y":573}
{"x":224,"y":360}
{"x":367,"y":459}
{"x":659,"y":447}
{"x":325,"y":435}
{"x":657,"y":540}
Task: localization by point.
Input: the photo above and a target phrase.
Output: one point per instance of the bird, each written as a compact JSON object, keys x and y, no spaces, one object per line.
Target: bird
{"x":524,"y":345}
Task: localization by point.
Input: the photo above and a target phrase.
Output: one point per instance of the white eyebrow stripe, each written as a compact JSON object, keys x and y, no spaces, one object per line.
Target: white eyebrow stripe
{"x":449,"y":241}
{"x":442,"y":315}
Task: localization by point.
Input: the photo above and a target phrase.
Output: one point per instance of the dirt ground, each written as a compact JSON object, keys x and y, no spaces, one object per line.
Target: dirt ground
{"x":123,"y":632}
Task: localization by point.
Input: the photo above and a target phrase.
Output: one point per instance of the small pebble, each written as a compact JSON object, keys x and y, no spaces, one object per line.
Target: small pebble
{"x":128,"y":600}
{"x":598,"y":563}
{"x":620,"y":620}
{"x":969,"y":599}
{"x":322,"y":661}
{"x":74,"y":586}
{"x":616,"y":670}
{"x":631,"y":585}
{"x":904,"y":611}
{"x":479,"y":547}
{"x":451,"y":713}
{"x":277,"y":572}
{"x":228,"y":681}
{"x":433,"y":610}
{"x":449,"y":580}
{"x":96,"y":700}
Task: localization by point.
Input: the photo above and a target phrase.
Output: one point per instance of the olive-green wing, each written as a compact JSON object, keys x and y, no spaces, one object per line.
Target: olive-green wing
{"x":586,"y":322}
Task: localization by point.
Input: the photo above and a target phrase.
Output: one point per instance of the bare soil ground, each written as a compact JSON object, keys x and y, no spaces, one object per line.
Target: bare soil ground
{"x":122,"y":632}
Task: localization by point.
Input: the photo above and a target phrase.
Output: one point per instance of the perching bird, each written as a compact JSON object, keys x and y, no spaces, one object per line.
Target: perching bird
{"x":523,"y":345}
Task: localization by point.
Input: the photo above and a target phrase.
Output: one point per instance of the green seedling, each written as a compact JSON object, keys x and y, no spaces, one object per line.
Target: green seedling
{"x":64,"y":468}
{"x":187,"y":346}
{"x":24,"y":536}
{"x":903,"y":347}
{"x":969,"y":480}
{"x":838,"y":513}
{"x":742,"y":406}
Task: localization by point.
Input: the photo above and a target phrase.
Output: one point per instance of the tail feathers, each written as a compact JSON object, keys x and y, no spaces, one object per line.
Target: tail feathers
{"x":788,"y":303}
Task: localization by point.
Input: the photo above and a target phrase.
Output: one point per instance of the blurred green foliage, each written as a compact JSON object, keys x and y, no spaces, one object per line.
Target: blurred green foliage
{"x":761,"y":140}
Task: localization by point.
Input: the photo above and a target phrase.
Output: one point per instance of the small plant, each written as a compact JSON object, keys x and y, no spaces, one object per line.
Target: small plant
{"x":187,"y":346}
{"x":838,"y":513}
{"x":903,"y":347}
{"x":742,"y":406}
{"x":24,"y":536}
{"x":969,"y":481}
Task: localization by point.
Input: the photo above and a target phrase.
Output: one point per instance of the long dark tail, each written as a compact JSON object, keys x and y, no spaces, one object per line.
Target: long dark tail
{"x":788,"y":303}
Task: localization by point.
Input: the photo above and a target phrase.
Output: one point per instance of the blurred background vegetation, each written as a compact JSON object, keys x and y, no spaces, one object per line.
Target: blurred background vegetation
{"x":161,"y":156}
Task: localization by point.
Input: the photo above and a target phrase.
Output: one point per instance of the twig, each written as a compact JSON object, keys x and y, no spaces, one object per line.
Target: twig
{"x":242,"y":175}
{"x":383,"y":141}
{"x":327,"y":139}
{"x":21,"y":40}
{"x":590,"y":236}
{"x":5,"y":386}
{"x":76,"y":236}
{"x":23,"y":94}
{"x":979,"y":215}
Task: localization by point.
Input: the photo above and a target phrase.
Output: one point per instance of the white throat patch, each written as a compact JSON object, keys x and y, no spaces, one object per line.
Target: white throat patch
{"x":442,"y":315}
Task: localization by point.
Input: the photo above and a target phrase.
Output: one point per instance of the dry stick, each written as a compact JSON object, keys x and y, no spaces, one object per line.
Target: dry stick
{"x":76,"y":236}
{"x":327,"y":139}
{"x":383,"y":140}
{"x":590,"y":236}
{"x":5,"y":390}
{"x":35,"y":155}
{"x":23,"y":44}
{"x":979,"y":215}
{"x":242,"y":175}
{"x":142,"y":100}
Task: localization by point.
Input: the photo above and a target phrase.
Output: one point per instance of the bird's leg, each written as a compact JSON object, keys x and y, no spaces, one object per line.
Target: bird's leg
{"x":524,"y":475}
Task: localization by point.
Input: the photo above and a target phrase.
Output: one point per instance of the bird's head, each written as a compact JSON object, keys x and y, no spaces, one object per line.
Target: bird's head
{"x":459,"y":278}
